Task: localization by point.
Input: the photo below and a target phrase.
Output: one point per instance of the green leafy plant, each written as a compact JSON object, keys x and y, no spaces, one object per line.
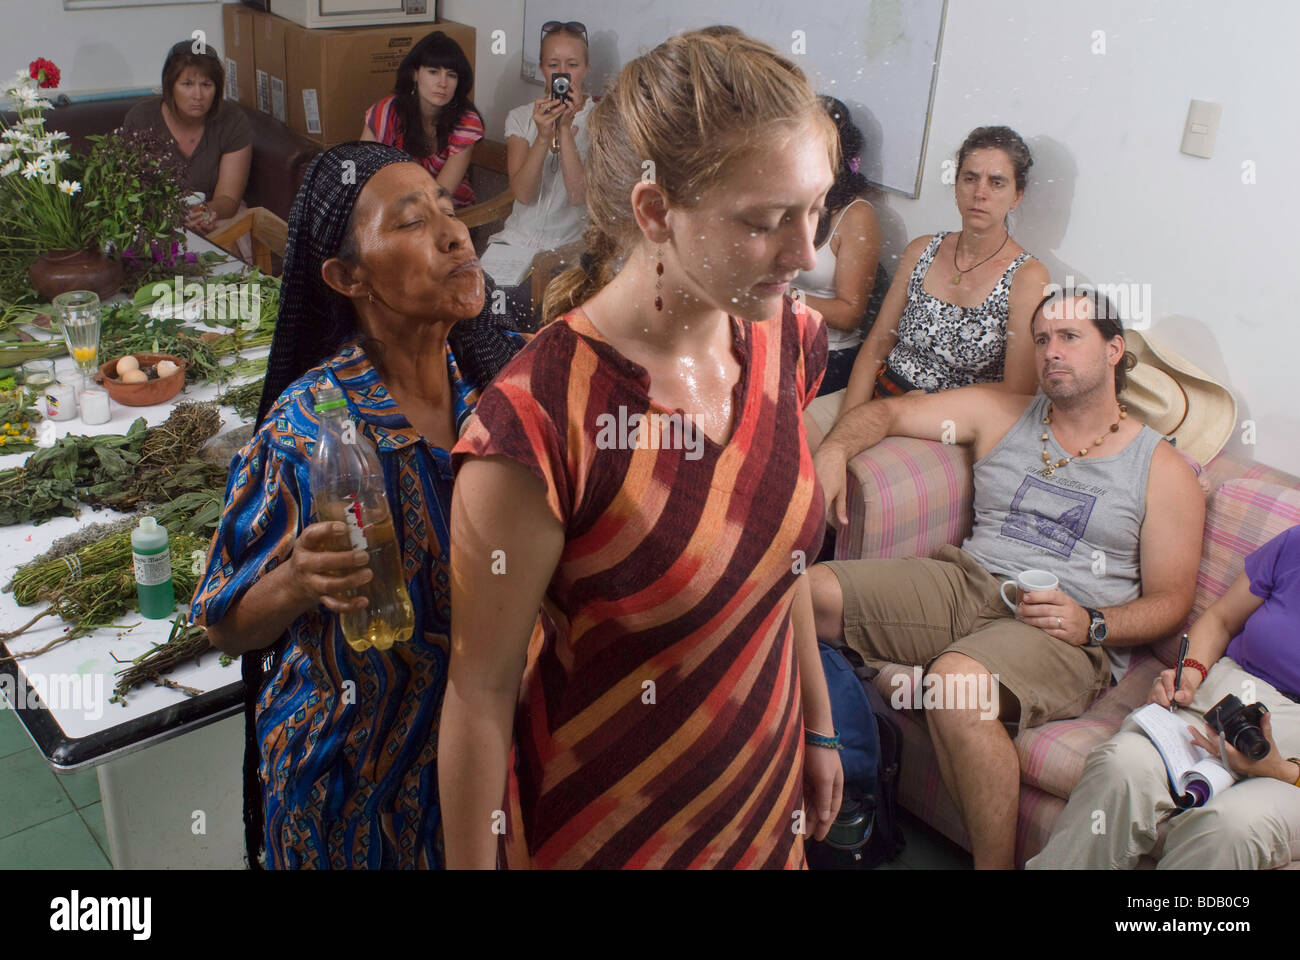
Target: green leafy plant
{"x":134,"y":185}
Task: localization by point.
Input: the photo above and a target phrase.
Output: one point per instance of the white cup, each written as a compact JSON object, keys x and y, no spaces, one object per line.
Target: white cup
{"x":94,"y":406}
{"x":1027,"y":582}
{"x":60,"y":401}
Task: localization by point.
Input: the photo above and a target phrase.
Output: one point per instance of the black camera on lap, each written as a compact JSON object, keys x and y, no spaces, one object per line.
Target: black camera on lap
{"x":1240,"y":725}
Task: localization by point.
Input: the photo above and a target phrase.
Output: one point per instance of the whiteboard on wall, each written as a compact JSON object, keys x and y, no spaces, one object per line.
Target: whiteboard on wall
{"x":881,"y":57}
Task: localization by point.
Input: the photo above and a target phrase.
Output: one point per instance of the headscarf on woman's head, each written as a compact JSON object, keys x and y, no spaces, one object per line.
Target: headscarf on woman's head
{"x":314,"y":318}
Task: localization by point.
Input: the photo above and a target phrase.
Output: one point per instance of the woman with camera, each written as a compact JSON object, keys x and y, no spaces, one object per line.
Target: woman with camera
{"x":546,"y":141}
{"x":1242,"y":647}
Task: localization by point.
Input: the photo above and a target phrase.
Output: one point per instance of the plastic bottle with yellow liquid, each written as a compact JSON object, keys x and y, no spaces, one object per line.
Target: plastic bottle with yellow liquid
{"x":347,"y":485}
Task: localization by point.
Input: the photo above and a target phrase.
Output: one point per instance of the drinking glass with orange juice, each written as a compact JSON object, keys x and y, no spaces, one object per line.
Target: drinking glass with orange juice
{"x":77,"y":312}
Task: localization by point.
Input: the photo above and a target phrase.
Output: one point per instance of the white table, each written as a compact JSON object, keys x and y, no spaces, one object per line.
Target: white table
{"x":169,"y":766}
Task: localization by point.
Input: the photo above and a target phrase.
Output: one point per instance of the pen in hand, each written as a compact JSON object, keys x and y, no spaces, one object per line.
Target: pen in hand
{"x":1178,"y":673}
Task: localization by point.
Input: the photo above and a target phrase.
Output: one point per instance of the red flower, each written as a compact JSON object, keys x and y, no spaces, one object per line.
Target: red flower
{"x":44,"y":72}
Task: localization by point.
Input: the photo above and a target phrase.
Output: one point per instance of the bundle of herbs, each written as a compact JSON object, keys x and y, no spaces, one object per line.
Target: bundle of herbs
{"x":245,"y":399}
{"x":49,"y":483}
{"x":146,"y":465}
{"x":95,"y":586}
{"x":186,"y":642}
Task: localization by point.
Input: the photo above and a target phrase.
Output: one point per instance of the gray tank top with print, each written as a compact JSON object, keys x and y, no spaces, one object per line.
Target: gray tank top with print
{"x":1083,"y":523}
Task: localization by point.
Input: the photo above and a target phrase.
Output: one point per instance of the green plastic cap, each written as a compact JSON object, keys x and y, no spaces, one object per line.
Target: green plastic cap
{"x":329,"y":398}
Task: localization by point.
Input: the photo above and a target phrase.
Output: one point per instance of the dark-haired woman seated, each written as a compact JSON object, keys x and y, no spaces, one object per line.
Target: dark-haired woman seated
{"x":379,"y":291}
{"x":211,"y":134}
{"x":959,"y":308}
{"x":429,"y":113}
{"x":848,"y":253}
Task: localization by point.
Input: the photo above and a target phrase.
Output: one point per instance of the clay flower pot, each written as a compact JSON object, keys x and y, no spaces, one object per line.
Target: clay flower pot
{"x":59,"y":271}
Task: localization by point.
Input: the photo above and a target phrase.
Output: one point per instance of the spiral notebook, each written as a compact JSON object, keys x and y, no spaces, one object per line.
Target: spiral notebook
{"x":1168,"y":731}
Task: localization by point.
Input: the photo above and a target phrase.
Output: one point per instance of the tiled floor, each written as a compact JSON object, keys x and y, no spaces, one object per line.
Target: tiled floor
{"x":49,"y":821}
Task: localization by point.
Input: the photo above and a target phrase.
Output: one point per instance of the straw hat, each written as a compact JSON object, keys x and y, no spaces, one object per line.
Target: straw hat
{"x":1174,"y":397}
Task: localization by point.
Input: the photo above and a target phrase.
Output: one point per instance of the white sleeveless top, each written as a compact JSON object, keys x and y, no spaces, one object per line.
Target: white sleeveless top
{"x":820,"y":282}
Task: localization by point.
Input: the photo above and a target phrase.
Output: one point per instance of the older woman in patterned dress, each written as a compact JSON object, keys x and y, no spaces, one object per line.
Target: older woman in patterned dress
{"x":380,"y":285}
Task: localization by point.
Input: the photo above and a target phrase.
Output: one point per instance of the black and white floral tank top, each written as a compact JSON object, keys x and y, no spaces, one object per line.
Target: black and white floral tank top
{"x":941,"y":345}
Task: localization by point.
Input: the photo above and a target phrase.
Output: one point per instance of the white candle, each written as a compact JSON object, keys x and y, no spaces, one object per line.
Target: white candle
{"x":94,"y":405}
{"x":60,"y":401}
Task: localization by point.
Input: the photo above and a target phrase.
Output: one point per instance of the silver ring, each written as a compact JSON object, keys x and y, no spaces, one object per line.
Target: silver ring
{"x":1058,"y":624}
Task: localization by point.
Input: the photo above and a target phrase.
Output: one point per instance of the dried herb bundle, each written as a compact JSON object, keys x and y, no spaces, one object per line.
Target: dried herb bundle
{"x":245,"y":398}
{"x":186,"y":642}
{"x":96,"y":585}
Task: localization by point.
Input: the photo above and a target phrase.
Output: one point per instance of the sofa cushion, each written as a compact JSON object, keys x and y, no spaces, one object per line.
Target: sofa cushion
{"x":907,"y":498}
{"x":1243,"y":515}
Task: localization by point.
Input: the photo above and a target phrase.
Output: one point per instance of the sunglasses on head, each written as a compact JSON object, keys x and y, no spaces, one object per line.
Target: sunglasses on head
{"x":550,"y":26}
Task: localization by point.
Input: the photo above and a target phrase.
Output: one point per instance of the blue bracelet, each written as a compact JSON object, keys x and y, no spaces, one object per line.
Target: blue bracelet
{"x":817,"y":740}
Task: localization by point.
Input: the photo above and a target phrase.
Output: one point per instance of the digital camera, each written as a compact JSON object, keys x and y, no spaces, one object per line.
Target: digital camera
{"x":1240,"y":725}
{"x":560,"y":84}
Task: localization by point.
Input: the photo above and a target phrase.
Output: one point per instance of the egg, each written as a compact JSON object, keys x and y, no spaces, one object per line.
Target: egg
{"x":166,"y":368}
{"x":135,"y":376}
{"x":127,"y":363}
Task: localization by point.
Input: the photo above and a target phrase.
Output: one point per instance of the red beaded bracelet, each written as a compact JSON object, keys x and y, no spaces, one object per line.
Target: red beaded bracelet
{"x":1190,"y":662}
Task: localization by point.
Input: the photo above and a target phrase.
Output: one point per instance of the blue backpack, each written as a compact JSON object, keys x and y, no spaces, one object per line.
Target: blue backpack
{"x":866,"y":832}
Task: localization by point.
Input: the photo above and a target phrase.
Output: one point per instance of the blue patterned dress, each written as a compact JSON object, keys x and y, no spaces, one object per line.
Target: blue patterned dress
{"x":348,"y":740}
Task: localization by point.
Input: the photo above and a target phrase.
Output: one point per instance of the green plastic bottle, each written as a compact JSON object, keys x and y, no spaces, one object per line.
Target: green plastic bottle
{"x":153,"y":570}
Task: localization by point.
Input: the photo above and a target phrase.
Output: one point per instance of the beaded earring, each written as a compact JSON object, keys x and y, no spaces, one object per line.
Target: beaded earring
{"x":659,"y":280}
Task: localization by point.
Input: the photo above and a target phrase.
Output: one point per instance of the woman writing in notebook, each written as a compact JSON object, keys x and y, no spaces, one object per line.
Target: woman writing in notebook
{"x":1243,"y":645}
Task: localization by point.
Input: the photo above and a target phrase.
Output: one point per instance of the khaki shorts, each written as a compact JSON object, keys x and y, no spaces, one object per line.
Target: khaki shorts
{"x":911,"y":611}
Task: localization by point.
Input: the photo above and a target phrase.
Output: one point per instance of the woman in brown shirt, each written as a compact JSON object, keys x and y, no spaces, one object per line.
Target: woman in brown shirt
{"x":212,"y":135}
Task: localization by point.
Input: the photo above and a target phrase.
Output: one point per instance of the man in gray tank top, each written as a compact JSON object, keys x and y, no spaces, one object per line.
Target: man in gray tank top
{"x":1065,"y":483}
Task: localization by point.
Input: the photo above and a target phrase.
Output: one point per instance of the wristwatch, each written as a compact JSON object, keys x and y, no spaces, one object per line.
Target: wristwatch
{"x":1097,"y":628}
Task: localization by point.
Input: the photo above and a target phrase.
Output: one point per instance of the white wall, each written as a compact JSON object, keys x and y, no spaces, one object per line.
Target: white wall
{"x":113,"y":49}
{"x":498,"y":86}
{"x":1111,"y":199}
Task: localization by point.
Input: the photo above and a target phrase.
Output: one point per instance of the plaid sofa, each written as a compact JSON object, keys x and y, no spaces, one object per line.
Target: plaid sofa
{"x":907,"y":498}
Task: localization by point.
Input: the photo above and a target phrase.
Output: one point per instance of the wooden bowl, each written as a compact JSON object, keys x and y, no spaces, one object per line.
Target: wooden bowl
{"x":145,"y":394}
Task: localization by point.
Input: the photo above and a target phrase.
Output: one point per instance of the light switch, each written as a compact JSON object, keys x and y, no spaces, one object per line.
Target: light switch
{"x":1202,"y":128}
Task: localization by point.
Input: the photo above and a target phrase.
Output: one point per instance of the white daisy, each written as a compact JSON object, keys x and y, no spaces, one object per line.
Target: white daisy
{"x":69,"y":187}
{"x":31,"y":170}
{"x":10,"y":167}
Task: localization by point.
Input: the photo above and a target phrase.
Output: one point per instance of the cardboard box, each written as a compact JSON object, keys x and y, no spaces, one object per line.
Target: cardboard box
{"x":237,"y":24}
{"x":270,"y":64}
{"x":336,"y":74}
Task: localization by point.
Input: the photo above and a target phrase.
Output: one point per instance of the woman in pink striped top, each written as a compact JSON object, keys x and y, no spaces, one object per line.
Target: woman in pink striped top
{"x":429,"y":113}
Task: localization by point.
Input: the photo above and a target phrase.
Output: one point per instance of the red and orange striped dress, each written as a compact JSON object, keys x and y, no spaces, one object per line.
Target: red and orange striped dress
{"x":659,"y":722}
